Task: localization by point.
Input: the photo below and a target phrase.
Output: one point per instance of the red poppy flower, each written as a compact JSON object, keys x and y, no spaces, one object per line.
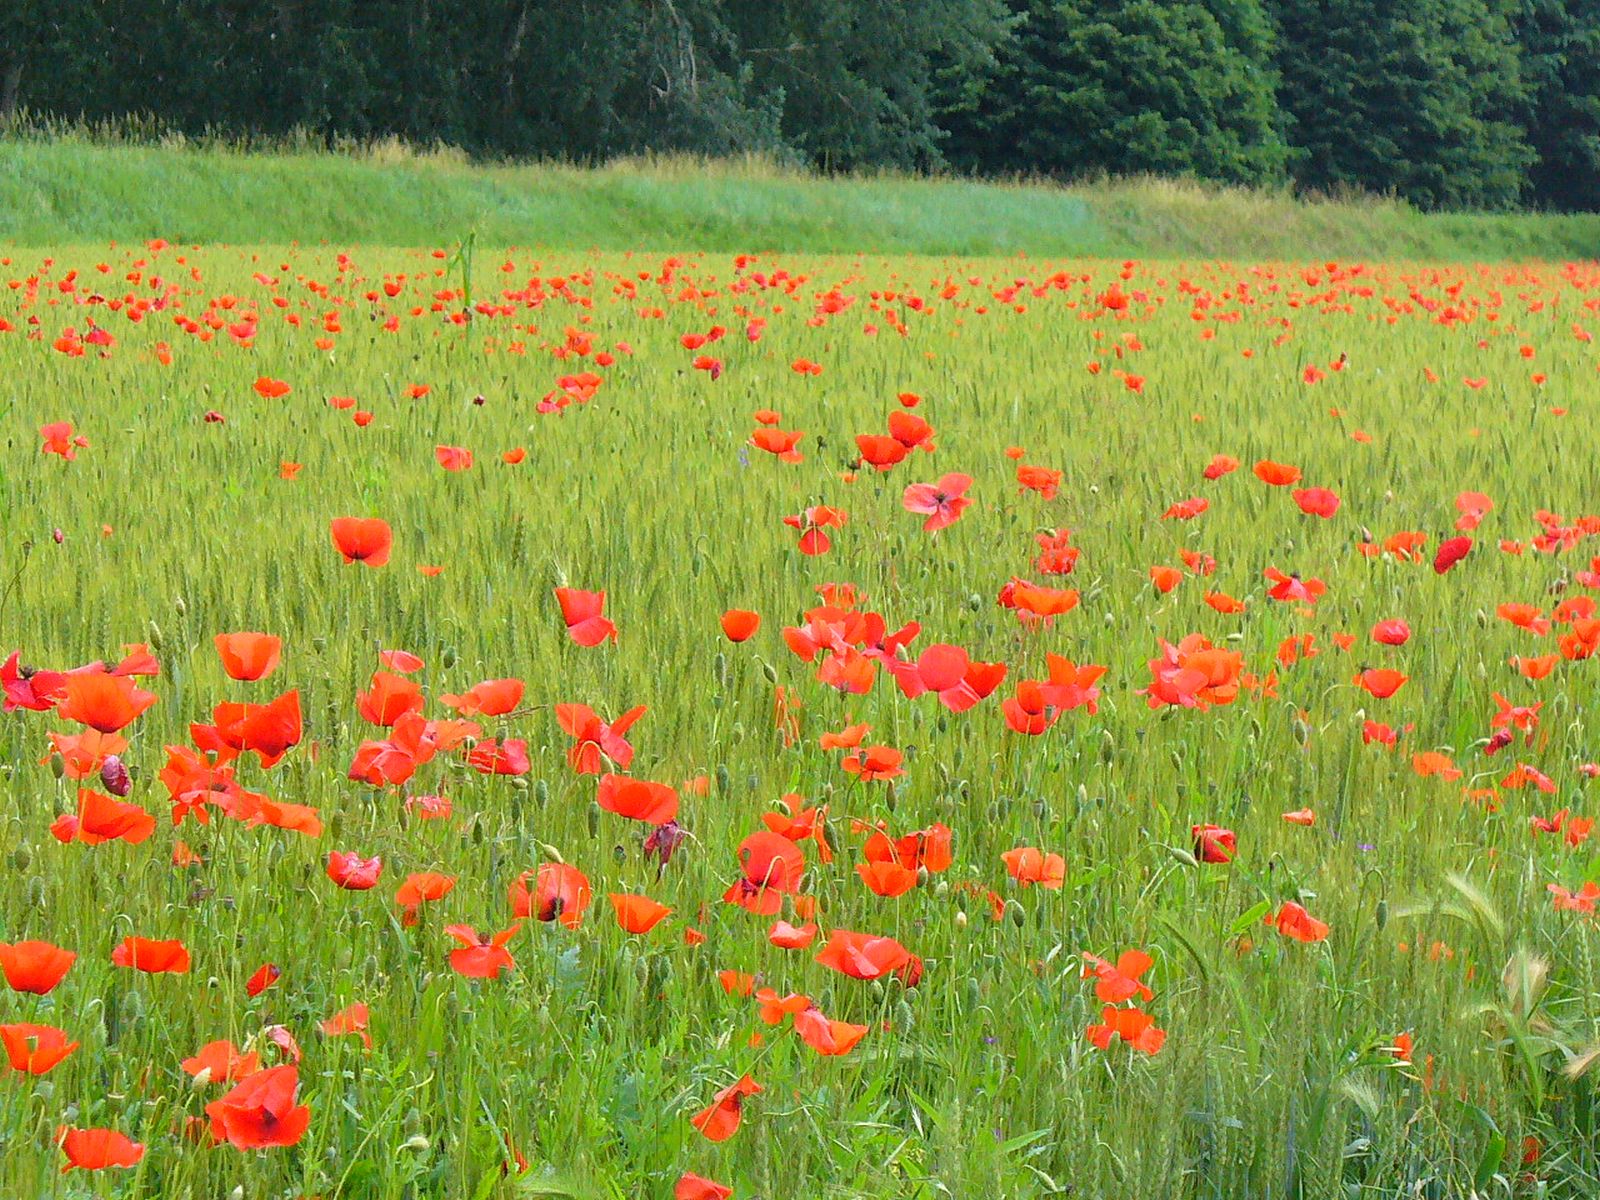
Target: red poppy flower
{"x":695,"y":1187}
{"x":637,"y":914}
{"x":34,"y":967}
{"x":151,"y":956}
{"x":362,"y":539}
{"x":102,"y":701}
{"x":583,"y":613}
{"x":637,"y":799}
{"x":248,"y":656}
{"x":351,"y":1019}
{"x":493,"y":698}
{"x":595,"y":739}
{"x":561,"y":893}
{"x":1028,"y":866}
{"x":864,"y":955}
{"x":352,"y":872}
{"x":1213,"y":843}
{"x":740,"y":625}
{"x":1294,"y":921}
{"x":1136,"y":1028}
{"x":942,"y":502}
{"x":481,"y":956}
{"x":260,"y":1112}
{"x":97,"y":1149}
{"x":222,"y":1062}
{"x":35,"y":1049}
{"x":102,"y":819}
{"x":720,"y":1120}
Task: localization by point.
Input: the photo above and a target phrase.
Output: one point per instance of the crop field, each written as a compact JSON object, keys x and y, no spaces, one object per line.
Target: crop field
{"x":493,"y":723}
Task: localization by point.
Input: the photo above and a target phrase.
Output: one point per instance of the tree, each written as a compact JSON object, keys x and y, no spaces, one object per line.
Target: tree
{"x":1561,"y":57}
{"x":1124,"y":86}
{"x":1420,"y":98}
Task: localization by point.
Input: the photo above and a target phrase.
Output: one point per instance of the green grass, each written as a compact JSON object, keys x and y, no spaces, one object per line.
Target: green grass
{"x":85,"y":191}
{"x":1276,"y":1079}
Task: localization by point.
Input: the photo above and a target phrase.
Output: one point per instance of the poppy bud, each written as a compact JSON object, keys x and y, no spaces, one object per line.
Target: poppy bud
{"x":36,"y":892}
{"x":594,"y":821}
{"x":58,"y":766}
{"x":975,"y":602}
{"x":180,"y":606}
{"x":770,"y":672}
{"x":961,"y":923}
{"x":922,"y":875}
{"x":904,"y":1018}
{"x":1017,"y":914}
{"x":723,"y":782}
{"x":619,"y":852}
{"x":1108,"y":746}
{"x":722,"y":670}
{"x":418,"y":1141}
{"x":21,"y":857}
{"x":1382,"y":914}
{"x":448,"y":658}
{"x":519,"y":782}
{"x":130,"y":1011}
{"x":115,"y":776}
{"x":541,"y":794}
{"x":413,"y":1121}
{"x":889,"y":800}
{"x":697,"y":564}
{"x":319,"y":643}
{"x":1183,"y":856}
{"x":201,"y":1080}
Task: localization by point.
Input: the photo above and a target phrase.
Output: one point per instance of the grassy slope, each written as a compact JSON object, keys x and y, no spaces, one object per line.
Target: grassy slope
{"x":54,"y":192}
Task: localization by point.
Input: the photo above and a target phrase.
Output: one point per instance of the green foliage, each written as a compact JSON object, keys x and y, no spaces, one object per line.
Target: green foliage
{"x":1561,"y":62}
{"x":1418,"y":98}
{"x":1277,"y":1078}
{"x":1445,"y":103}
{"x":1085,"y":88}
{"x":96,"y":190}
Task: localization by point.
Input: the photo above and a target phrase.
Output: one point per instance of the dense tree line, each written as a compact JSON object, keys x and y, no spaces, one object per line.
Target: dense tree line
{"x":1448,"y":103}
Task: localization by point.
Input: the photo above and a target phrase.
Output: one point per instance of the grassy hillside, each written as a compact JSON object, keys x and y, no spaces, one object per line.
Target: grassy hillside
{"x":69,"y":190}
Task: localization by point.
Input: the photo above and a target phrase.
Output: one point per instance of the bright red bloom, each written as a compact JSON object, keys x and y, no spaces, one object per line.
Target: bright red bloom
{"x":492,"y":698}
{"x":97,"y":1149}
{"x":260,"y":1111}
{"x":561,"y":893}
{"x":1294,"y":921}
{"x":583,"y":613}
{"x":34,"y":967}
{"x":152,"y":957}
{"x":637,"y":799}
{"x":102,"y":701}
{"x":248,"y":656}
{"x":362,"y":539}
{"x":596,"y":740}
{"x":720,"y":1120}
{"x":102,"y":819}
{"x":352,"y":872}
{"x":35,"y":1049}
{"x":481,"y":956}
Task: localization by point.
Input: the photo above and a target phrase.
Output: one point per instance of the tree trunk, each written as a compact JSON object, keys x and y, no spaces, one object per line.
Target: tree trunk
{"x":10,"y":88}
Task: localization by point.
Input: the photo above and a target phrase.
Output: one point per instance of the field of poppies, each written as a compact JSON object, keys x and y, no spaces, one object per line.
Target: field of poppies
{"x":487,"y":723}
